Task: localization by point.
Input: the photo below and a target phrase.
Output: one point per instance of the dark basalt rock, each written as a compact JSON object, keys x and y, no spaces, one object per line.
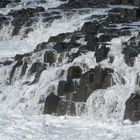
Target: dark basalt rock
{"x":63,"y":46}
{"x":7,"y":62}
{"x":97,"y":78}
{"x":36,"y":67}
{"x":23,"y":17}
{"x":101,"y":53}
{"x":92,"y":42}
{"x":59,"y":38}
{"x":105,"y":38}
{"x":4,"y":3}
{"x":72,"y":56}
{"x":18,"y":64}
{"x":124,"y":12}
{"x":132,"y":109}
{"x":129,"y":55}
{"x":74,"y":72}
{"x":51,"y":104}
{"x":19,"y":57}
{"x":50,"y":57}
{"x":90,"y":27}
{"x":65,"y":87}
{"x":40,"y":9}
{"x":126,"y":2}
{"x":41,"y":46}
{"x":84,"y":4}
{"x":65,"y":107}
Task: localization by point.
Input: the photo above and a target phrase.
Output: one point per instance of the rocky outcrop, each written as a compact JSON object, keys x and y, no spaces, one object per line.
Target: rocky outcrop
{"x":132,"y":109}
{"x":4,"y":3}
{"x":63,"y":46}
{"x":74,"y":72}
{"x":18,"y":64}
{"x":50,"y":57}
{"x":126,"y":2}
{"x":97,"y":78}
{"x":101,"y":53}
{"x":51,"y":104}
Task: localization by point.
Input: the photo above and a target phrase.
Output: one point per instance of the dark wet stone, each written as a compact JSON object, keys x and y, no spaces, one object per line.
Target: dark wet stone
{"x":63,"y":46}
{"x":51,"y":104}
{"x":101,"y":53}
{"x":74,"y":72}
{"x":132,"y":107}
{"x":41,"y":46}
{"x":50,"y":57}
{"x":18,"y":64}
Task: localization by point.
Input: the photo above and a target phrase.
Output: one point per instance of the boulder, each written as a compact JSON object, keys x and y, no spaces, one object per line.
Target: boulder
{"x":129,"y":55}
{"x":4,"y":3}
{"x":51,"y":104}
{"x":65,"y":87}
{"x":65,"y":107}
{"x":132,"y":107}
{"x":97,"y":78}
{"x":101,"y":53}
{"x":63,"y":46}
{"x":74,"y":72}
{"x":41,"y":46}
{"x":36,"y":67}
{"x":90,"y":27}
{"x":59,"y":38}
{"x":18,"y":64}
{"x":50,"y":57}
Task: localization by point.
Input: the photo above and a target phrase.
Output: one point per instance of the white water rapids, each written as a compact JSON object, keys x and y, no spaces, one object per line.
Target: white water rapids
{"x":20,"y":113}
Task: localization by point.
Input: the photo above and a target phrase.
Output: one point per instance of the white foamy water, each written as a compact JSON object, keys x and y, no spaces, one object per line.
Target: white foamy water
{"x":17,"y":127}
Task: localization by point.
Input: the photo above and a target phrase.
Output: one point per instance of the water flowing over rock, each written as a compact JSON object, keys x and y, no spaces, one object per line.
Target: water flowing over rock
{"x":64,"y":59}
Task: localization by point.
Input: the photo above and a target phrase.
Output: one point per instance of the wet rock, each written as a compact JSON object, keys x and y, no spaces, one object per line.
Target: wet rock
{"x":132,"y":109}
{"x":63,"y":46}
{"x":129,"y":55}
{"x":36,"y":67}
{"x":41,"y":46}
{"x":4,"y":3}
{"x":50,"y":57}
{"x":105,"y":38}
{"x":19,"y":57}
{"x":59,"y":38}
{"x":92,"y":42}
{"x":40,"y":9}
{"x":90,"y":27}
{"x":74,"y":72}
{"x":84,"y":4}
{"x":126,"y":2}
{"x":21,"y":17}
{"x":97,"y":78}
{"x":51,"y":104}
{"x":7,"y":62}
{"x":65,"y":87}
{"x":101,"y":53}
{"x":18,"y":64}
{"x":72,"y":56}
{"x":65,"y":107}
{"x":118,"y":18}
